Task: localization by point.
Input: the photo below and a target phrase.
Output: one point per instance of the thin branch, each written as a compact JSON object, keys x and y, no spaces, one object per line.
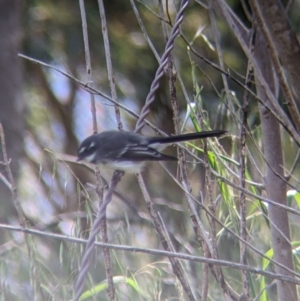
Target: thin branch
{"x":11,"y":181}
{"x":285,"y":86}
{"x":86,"y":260}
{"x":163,"y":62}
{"x":177,"y":268}
{"x":34,"y":263}
{"x":144,"y":31}
{"x":103,"y":225}
{"x":243,"y":213}
{"x":291,"y":171}
{"x":178,"y":255}
{"x":88,"y":62}
{"x":243,"y":36}
{"x":109,"y":62}
{"x":192,"y":198}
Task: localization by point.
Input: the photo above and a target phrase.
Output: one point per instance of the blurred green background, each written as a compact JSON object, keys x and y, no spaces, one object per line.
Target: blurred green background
{"x":51,"y":115}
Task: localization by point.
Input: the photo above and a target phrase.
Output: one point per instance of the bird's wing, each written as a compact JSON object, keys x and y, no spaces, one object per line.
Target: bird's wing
{"x":143,"y":153}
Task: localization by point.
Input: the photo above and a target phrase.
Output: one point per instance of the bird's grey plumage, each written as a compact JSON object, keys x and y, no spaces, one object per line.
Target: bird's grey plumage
{"x":121,"y":150}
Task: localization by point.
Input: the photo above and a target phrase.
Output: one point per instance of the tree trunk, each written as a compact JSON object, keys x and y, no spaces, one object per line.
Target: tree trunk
{"x":12,"y":104}
{"x":274,"y":175}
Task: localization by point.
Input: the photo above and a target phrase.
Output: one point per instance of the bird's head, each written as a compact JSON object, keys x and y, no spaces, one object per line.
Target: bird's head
{"x":87,"y":150}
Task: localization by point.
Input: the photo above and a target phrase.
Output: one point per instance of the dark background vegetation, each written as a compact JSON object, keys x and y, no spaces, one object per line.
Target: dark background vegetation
{"x":45,"y":115}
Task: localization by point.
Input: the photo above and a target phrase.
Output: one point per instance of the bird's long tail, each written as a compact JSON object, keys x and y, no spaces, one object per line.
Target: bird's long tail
{"x":187,"y":137}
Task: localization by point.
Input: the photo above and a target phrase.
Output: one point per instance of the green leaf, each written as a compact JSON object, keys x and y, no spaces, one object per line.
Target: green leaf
{"x":100,"y":287}
{"x":293,"y":194}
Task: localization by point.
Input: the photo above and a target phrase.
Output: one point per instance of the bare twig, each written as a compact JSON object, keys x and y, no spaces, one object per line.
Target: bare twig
{"x":10,"y":180}
{"x":224,"y":227}
{"x":285,"y":86}
{"x":182,"y":256}
{"x":85,"y":263}
{"x":163,"y":62}
{"x":107,"y":257}
{"x":139,"y":19}
{"x":88,"y":63}
{"x":243,"y":212}
{"x":177,"y":268}
{"x":99,"y":223}
{"x":109,"y":62}
{"x":243,"y":35}
{"x":34,"y":264}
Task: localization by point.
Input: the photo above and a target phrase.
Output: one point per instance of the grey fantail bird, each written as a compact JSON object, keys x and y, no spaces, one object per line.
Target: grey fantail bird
{"x":129,"y":151}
